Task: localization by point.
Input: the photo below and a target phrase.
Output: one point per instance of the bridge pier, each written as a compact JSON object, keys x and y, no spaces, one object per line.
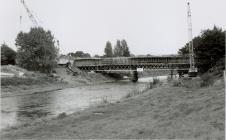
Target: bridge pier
{"x":134,"y":76}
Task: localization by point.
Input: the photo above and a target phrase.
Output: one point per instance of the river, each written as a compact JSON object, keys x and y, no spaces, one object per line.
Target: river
{"x":16,"y":110}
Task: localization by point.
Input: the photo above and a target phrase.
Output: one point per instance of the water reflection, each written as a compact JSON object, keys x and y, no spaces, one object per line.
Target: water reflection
{"x":33,"y":106}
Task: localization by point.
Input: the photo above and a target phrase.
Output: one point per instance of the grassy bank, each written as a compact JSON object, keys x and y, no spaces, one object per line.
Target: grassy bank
{"x":28,"y":82}
{"x":163,"y":112}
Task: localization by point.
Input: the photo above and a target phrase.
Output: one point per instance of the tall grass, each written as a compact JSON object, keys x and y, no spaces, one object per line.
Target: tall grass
{"x":156,"y":82}
{"x":134,"y":93}
{"x":197,"y":82}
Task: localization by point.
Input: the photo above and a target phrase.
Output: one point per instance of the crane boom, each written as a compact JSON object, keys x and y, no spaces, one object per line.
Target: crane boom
{"x":30,"y":15}
{"x":192,"y":70}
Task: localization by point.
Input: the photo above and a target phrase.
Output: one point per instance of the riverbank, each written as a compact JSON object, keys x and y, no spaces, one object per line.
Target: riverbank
{"x":171,"y":111}
{"x":21,"y":81}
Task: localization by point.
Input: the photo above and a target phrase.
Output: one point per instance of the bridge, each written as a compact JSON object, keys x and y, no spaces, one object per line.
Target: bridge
{"x":133,"y":64}
{"x":179,"y":63}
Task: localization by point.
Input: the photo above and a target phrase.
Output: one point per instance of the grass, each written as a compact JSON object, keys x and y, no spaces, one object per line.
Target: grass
{"x":36,"y":80}
{"x":14,"y":81}
{"x":155,"y":83}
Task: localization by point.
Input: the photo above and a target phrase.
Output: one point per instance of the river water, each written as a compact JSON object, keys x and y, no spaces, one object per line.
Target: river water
{"x":27,"y":108}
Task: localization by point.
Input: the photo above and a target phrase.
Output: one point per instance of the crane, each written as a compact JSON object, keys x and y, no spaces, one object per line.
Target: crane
{"x":192,"y":70}
{"x":32,"y":18}
{"x":30,"y":15}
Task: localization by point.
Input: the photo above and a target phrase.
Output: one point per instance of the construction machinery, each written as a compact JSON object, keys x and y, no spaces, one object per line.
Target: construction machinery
{"x":30,"y":15}
{"x":192,"y":70}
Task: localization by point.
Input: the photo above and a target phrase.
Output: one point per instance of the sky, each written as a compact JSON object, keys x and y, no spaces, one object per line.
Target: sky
{"x":155,"y":27}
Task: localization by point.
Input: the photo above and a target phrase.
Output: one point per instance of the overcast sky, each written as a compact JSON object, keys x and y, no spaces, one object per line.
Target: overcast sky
{"x":149,"y":26}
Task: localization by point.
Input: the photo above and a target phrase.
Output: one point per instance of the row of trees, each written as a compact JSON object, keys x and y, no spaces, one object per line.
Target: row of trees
{"x":121,"y":49}
{"x":209,"y":47}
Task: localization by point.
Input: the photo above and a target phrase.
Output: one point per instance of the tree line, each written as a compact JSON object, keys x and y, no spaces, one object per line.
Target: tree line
{"x":121,"y":49}
{"x":37,"y":50}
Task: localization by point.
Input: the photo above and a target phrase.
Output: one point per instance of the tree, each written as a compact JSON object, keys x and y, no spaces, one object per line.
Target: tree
{"x":108,"y":50}
{"x":125,"y":49}
{"x":79,"y":54}
{"x":121,"y":49}
{"x":185,"y":50}
{"x":8,"y":55}
{"x":209,"y":47}
{"x":37,"y":50}
{"x":118,"y":49}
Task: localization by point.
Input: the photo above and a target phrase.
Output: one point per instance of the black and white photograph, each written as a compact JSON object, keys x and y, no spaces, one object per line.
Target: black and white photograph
{"x":112,"y":69}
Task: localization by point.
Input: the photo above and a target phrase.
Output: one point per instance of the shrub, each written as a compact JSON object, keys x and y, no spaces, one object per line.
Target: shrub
{"x":61,"y":115}
{"x":156,"y":81}
{"x":207,"y":81}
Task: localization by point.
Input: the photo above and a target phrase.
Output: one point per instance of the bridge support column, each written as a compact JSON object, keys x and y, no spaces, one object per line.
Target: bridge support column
{"x":171,"y":73}
{"x":134,"y":76}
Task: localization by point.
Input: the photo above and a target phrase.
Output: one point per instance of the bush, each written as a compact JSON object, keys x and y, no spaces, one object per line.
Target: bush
{"x":61,"y":115}
{"x":207,"y":81}
{"x":156,"y":81}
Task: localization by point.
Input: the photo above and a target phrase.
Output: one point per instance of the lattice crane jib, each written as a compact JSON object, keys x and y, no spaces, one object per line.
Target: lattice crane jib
{"x":191,"y":49}
{"x":30,"y":15}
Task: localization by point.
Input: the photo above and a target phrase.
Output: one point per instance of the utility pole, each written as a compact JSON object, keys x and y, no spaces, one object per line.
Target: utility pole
{"x":192,"y":70}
